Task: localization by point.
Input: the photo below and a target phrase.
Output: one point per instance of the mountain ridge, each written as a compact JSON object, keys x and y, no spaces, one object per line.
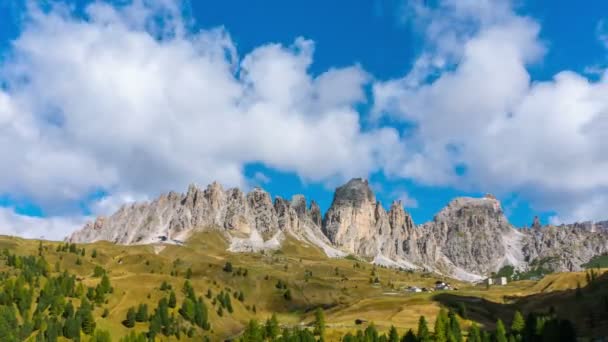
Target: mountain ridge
{"x":468,"y":239}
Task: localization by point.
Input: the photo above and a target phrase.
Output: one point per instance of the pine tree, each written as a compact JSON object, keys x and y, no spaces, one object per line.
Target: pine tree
{"x":142,"y":313}
{"x":253,"y":332}
{"x":172,"y":300}
{"x":518,"y":324}
{"x":71,"y":328}
{"x":272,"y":327}
{"x":462,"y":310}
{"x":101,"y":336}
{"x":319,"y":324}
{"x":187,"y":309}
{"x":474,"y":334}
{"x":129,"y":322}
{"x":88,"y":321}
{"x":441,"y":326}
{"x":105,"y":284}
{"x":201,"y":316}
{"x":393,"y":335}
{"x":94,"y":254}
{"x":579,"y":291}
{"x":423,"y":330}
{"x":501,"y":333}
{"x":454,"y":331}
{"x":188,"y":273}
{"x":68,"y":311}
{"x":409,"y":337}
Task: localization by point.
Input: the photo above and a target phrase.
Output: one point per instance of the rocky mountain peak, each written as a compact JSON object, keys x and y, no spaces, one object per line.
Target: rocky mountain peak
{"x":467,"y":239}
{"x":355,"y":192}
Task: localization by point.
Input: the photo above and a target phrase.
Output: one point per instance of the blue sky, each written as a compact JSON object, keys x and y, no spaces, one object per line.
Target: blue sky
{"x":435,"y":99}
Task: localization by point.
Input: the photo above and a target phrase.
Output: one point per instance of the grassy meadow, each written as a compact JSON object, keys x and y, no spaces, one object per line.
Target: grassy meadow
{"x":345,"y":288}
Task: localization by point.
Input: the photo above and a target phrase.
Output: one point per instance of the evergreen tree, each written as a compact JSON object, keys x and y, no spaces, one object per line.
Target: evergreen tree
{"x":252,"y":333}
{"x":567,"y":332}
{"x":105,"y":284}
{"x":71,"y":328}
{"x":393,"y":335}
{"x":441,"y":326}
{"x":188,"y":273}
{"x":501,"y":333}
{"x":423,"y":330}
{"x":319,"y":324}
{"x":287,"y":294}
{"x":272,"y":327}
{"x":462,"y":310}
{"x":371,"y":333}
{"x":474,"y":334}
{"x":101,"y":336}
{"x":201,"y":316}
{"x":409,"y":337}
{"x":68,"y":310}
{"x":87,"y":321}
{"x":187,"y":309}
{"x":142,"y":313}
{"x":579,"y":291}
{"x":129,"y":322}
{"x":172,"y":300}
{"x":518,"y":324}
{"x":454,"y":332}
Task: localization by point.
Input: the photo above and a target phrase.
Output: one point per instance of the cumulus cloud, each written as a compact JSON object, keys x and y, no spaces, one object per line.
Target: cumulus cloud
{"x":479,"y":111}
{"x":55,"y":228}
{"x":406,"y":199}
{"x":130,"y":100}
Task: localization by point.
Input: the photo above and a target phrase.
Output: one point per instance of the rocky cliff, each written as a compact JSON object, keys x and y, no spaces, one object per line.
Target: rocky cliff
{"x":252,"y":221}
{"x":468,"y":239}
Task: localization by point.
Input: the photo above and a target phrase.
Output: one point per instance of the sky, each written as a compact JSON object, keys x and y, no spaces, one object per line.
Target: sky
{"x":104,"y":103}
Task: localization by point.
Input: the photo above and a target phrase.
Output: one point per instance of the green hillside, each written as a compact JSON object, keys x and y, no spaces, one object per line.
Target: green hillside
{"x":200,"y":291}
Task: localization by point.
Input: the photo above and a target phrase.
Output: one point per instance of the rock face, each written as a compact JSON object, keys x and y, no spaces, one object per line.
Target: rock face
{"x":358,"y":224}
{"x":252,"y":220}
{"x":566,"y":247}
{"x":468,"y":239}
{"x":471,"y":236}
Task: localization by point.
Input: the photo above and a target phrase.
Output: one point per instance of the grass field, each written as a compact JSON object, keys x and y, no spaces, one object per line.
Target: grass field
{"x":341,"y":286}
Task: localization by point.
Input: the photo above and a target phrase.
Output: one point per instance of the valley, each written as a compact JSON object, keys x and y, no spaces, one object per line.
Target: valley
{"x":350,"y":290}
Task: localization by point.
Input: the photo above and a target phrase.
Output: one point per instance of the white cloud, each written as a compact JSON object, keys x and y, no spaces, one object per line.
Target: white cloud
{"x":55,"y":228}
{"x":482,"y":110}
{"x":261,"y":178}
{"x":601,"y":31}
{"x":131,"y":101}
{"x":405,"y":198}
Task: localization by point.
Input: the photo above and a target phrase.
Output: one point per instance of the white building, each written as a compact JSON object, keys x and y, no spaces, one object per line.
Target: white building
{"x":497,"y":281}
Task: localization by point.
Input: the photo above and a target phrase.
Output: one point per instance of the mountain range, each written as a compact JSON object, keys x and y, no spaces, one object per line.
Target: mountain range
{"x":468,"y":239}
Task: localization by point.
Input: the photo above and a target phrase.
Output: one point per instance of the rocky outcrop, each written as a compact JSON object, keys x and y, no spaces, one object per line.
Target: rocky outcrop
{"x":470,"y":236}
{"x":566,"y":247}
{"x":468,"y":239}
{"x":358,"y":224}
{"x":251,"y":219}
